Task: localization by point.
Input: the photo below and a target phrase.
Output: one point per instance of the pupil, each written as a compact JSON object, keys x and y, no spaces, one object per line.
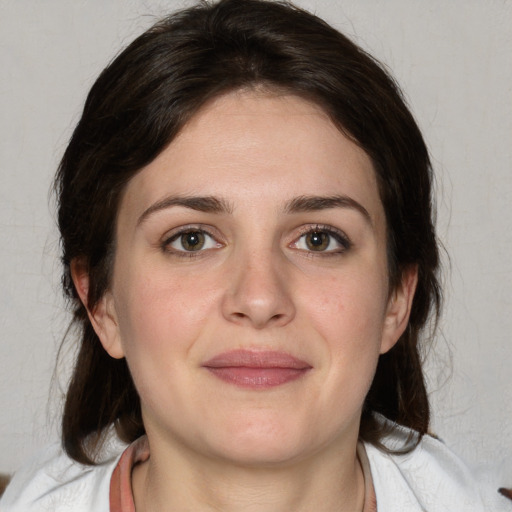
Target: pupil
{"x":193,"y":241}
{"x":317,"y":240}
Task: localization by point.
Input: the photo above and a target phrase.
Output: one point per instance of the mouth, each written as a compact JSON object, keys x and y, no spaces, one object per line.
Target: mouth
{"x":255,"y":369}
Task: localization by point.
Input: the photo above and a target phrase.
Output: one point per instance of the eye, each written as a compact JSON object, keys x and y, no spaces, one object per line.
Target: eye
{"x":190,"y":240}
{"x":322,"y":240}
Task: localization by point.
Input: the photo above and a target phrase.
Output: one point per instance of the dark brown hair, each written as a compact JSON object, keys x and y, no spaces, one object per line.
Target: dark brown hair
{"x":143,"y":99}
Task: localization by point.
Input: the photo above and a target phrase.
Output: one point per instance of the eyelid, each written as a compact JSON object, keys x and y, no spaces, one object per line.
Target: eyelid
{"x":175,"y":233}
{"x":339,"y":235}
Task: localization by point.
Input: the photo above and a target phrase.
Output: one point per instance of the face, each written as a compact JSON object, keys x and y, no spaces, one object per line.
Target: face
{"x":250,"y":289}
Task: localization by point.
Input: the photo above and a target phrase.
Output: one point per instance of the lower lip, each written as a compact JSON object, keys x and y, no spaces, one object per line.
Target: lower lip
{"x":257,"y":378}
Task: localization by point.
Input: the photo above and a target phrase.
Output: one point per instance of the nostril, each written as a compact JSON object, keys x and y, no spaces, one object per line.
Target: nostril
{"x":258,"y":302}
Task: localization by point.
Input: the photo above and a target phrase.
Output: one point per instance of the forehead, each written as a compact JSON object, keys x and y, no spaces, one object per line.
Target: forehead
{"x":247,"y":144}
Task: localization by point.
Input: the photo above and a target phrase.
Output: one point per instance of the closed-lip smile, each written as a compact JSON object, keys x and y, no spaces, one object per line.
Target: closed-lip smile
{"x":256,"y":369}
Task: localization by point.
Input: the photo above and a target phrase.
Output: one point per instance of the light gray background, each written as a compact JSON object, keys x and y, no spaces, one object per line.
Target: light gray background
{"x":453,"y":59}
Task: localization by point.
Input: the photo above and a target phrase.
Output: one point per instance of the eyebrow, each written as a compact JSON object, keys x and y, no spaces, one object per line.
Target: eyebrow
{"x":212,"y":204}
{"x":208,"y":204}
{"x":317,"y":203}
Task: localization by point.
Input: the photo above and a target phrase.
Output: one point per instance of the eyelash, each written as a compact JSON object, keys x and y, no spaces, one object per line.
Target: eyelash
{"x":165,"y":245}
{"x":339,"y":236}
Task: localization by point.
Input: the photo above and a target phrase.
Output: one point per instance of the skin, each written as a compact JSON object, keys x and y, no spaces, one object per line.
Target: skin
{"x":257,"y":285}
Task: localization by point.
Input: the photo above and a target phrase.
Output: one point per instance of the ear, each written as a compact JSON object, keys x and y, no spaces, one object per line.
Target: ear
{"x":102,"y":315}
{"x":399,"y":308}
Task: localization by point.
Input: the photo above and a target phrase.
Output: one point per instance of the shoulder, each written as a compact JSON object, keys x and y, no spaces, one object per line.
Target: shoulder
{"x":52,"y":481}
{"x":430,"y":477}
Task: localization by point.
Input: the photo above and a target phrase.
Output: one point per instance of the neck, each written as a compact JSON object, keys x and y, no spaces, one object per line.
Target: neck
{"x":332,"y":479}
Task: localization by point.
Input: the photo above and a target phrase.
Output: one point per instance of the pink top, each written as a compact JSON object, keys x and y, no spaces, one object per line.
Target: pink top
{"x":121,"y":495}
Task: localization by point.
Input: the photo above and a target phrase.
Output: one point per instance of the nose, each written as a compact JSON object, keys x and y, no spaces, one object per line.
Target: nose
{"x":258,"y":292}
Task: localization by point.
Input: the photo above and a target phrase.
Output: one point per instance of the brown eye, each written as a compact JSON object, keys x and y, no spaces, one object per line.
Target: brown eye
{"x":317,"y":241}
{"x":326,"y":241}
{"x":192,"y":241}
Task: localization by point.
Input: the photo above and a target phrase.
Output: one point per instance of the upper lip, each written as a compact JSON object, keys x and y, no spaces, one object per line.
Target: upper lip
{"x":256,"y":359}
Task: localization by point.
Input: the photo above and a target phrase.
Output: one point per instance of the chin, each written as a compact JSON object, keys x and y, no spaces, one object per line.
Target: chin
{"x":261,"y":444}
{"x":261,"y":453}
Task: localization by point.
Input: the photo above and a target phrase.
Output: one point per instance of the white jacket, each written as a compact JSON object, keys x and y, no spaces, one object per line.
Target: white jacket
{"x":428,"y":479}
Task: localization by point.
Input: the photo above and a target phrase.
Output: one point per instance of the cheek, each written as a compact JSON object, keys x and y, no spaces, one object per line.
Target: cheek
{"x":160,"y":320}
{"x":160,"y":313}
{"x":350,"y":321}
{"x":354,"y":303}
{"x":348,"y":317}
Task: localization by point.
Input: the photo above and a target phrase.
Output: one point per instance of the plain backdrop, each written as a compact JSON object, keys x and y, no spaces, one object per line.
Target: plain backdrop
{"x":452,"y":58}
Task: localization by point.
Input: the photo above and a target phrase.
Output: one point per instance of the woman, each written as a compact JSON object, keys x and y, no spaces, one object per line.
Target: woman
{"x":248,"y":248}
